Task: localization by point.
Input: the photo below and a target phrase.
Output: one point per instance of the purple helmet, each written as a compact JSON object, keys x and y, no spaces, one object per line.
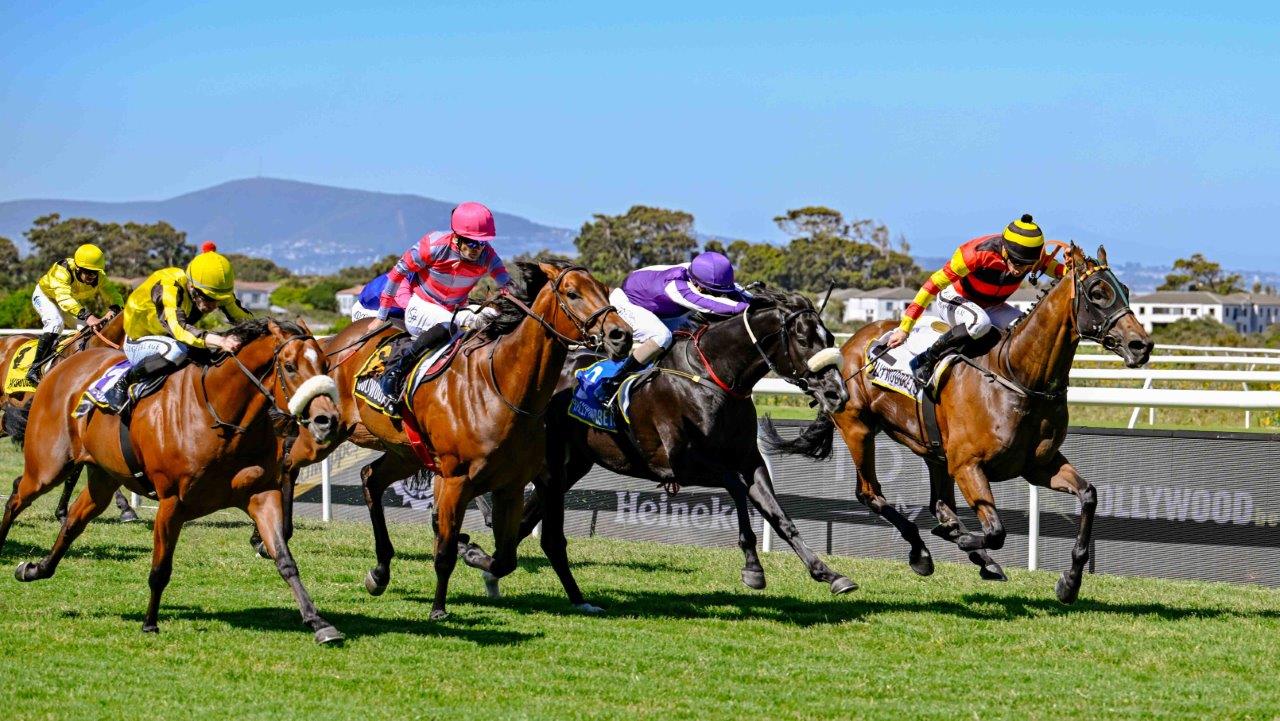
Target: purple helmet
{"x":713,"y":271}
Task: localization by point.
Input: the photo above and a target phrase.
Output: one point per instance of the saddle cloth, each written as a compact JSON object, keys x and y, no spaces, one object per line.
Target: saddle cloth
{"x":428,"y":367}
{"x":95,"y":396}
{"x":893,"y":369}
{"x":15,"y":380}
{"x":588,"y":406}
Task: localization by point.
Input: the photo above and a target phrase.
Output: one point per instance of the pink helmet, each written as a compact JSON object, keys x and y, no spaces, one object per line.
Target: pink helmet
{"x":472,"y":220}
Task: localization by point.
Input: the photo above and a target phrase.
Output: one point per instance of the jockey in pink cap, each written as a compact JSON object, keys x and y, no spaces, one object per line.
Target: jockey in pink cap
{"x":440,"y":270}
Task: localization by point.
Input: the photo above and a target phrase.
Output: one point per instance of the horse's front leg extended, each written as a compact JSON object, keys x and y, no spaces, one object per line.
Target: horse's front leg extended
{"x":1063,"y":477}
{"x":752,"y":571}
{"x":977,"y":492}
{"x":942,"y":502}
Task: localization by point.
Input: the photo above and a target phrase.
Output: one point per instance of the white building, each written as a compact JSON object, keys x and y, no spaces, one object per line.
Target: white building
{"x":255,"y":295}
{"x":866,"y":306}
{"x":1243,"y":312}
{"x":347,"y":297}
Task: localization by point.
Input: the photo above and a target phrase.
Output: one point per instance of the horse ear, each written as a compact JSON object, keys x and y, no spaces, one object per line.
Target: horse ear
{"x":274,"y":327}
{"x":1077,"y":255}
{"x":302,"y":323}
{"x":551,"y":271}
{"x":1102,"y":254}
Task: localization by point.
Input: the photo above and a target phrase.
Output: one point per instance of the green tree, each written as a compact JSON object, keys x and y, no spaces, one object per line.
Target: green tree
{"x":1199,"y":273}
{"x":755,"y":262}
{"x":133,"y":249}
{"x":825,"y":248}
{"x":253,"y":268}
{"x":614,"y":245}
{"x":14,"y":274}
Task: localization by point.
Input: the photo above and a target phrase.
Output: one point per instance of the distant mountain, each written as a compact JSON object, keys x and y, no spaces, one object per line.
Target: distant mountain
{"x":305,"y":227}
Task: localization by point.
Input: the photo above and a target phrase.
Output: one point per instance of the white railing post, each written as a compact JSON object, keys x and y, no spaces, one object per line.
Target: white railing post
{"x":766,"y":531}
{"x":1133,"y":419}
{"x":1033,"y":527}
{"x":326,"y":506}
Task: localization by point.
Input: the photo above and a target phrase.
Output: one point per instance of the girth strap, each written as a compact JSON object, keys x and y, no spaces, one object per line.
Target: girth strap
{"x":131,"y":461}
{"x":929,"y":425}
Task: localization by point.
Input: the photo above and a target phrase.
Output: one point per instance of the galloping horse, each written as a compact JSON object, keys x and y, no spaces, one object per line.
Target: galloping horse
{"x":109,"y":335}
{"x":482,"y":420}
{"x":194,"y":450}
{"x":693,"y":422}
{"x":1000,"y":416}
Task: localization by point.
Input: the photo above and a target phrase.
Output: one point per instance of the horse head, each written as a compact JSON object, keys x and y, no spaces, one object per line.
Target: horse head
{"x":299,"y":382}
{"x":1100,"y":308}
{"x":569,"y":301}
{"x":787,"y":331}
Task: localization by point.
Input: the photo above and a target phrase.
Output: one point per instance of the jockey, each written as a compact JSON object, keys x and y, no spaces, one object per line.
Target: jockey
{"x":161,"y":315}
{"x":659,"y":299}
{"x":440,"y":270}
{"x":368,"y":304}
{"x":972,"y":289}
{"x":69,"y":283}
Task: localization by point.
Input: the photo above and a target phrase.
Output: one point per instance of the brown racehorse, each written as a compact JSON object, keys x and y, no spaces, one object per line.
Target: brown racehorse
{"x":109,"y":334}
{"x":198,"y":452}
{"x":483,"y":417}
{"x":1003,"y":415}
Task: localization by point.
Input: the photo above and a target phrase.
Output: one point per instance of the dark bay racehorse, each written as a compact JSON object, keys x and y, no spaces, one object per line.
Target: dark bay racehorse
{"x":109,"y":334}
{"x":1003,"y":415}
{"x":694,"y":423}
{"x":211,"y":438}
{"x":483,"y":418}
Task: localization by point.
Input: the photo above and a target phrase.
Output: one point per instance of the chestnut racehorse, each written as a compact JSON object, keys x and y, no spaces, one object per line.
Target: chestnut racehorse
{"x":483,"y":418}
{"x":1001,"y":415}
{"x":110,"y":334}
{"x":209,"y":439}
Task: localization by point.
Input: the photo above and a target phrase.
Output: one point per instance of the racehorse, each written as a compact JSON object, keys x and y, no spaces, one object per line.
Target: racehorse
{"x":693,"y":422}
{"x":109,"y":334}
{"x":1001,"y":415}
{"x":481,"y":420}
{"x":193,"y":450}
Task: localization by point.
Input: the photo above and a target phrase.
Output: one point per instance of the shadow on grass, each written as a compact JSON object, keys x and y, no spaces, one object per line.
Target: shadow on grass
{"x":20,"y":551}
{"x":287,"y":620}
{"x":539,"y":563}
{"x":747,"y":606}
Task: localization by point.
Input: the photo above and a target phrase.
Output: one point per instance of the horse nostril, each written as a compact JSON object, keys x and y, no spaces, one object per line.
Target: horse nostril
{"x":1138,"y":345}
{"x":616,"y":335}
{"x":322,"y":421}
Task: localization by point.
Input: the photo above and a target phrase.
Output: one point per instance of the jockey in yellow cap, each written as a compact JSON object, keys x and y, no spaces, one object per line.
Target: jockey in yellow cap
{"x":63,"y":291}
{"x":161,"y":315}
{"x":971,"y":289}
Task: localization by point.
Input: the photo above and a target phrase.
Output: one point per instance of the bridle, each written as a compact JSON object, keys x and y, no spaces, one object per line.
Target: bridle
{"x":282,"y":420}
{"x":583,"y":326}
{"x":795,"y":377}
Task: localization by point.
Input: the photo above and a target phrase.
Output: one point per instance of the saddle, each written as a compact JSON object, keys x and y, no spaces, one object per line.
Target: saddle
{"x":95,"y":396}
{"x":428,"y":367}
{"x":588,"y":403}
{"x":894,"y":370}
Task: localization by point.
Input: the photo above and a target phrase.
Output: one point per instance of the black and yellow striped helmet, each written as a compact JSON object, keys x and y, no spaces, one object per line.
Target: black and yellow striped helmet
{"x":1023,"y":240}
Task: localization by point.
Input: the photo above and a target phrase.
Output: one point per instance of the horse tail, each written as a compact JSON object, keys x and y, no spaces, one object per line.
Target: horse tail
{"x":15,"y":422}
{"x":815,"y":441}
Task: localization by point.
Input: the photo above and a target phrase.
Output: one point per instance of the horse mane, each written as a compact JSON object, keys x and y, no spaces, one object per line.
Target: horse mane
{"x":254,"y":328}
{"x":526,"y":282}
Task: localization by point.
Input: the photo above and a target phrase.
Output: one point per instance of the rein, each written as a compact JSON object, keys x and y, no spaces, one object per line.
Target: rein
{"x":695,"y":339}
{"x":375,"y":330}
{"x":277,"y":414}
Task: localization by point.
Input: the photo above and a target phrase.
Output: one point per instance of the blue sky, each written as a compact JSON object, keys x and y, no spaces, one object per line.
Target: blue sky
{"x":1155,"y":128}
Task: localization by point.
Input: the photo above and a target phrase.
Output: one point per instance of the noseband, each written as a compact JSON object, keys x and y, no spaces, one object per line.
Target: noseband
{"x":582,"y":325}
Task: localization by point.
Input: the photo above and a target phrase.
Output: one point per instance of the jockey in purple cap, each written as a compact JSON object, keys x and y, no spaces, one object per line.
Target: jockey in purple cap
{"x":659,"y":299}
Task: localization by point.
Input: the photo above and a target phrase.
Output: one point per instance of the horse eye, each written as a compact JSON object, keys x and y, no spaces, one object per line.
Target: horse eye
{"x":573,"y":295}
{"x":291,"y":367}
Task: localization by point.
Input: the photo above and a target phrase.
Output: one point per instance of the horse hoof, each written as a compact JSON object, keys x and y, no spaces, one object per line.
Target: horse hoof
{"x":439,"y":614}
{"x":753,"y":579}
{"x":329,"y":634}
{"x":970,"y":541}
{"x":1067,"y":591}
{"x":589,"y":608}
{"x":23,"y":572}
{"x":150,"y":628}
{"x":992,"y":572}
{"x":261,"y":549}
{"x":922,"y":563}
{"x":843,"y":585}
{"x":128,"y":516}
{"x":372,"y":586}
{"x":491,"y":587}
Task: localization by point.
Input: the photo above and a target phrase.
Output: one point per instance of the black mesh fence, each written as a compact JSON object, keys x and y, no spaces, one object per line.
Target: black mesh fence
{"x":1171,"y":504}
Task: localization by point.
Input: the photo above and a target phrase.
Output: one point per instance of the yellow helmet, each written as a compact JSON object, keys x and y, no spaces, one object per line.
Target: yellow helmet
{"x":211,"y":274}
{"x":1023,"y":240}
{"x":90,"y":257}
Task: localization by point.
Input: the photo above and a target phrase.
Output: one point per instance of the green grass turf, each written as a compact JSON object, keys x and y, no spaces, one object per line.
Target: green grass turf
{"x":681,"y":639}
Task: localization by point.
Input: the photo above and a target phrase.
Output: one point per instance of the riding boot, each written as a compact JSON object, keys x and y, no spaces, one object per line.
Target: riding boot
{"x":153,"y":366}
{"x":954,"y":339}
{"x":44,"y":348}
{"x":398,"y":365}
{"x":609,"y":386}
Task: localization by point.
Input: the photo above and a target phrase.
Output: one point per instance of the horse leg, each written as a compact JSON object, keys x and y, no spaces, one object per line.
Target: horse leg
{"x":375,"y":477}
{"x":127,"y":514}
{"x":451,"y":505}
{"x":762,"y":496}
{"x":92,"y":501}
{"x":977,"y":492}
{"x":164,"y":538}
{"x":64,"y":500}
{"x":508,"y":510}
{"x":268,"y":514}
{"x":861,"y":442}
{"x":1063,"y":477}
{"x":26,"y":489}
{"x":752,"y":571}
{"x":942,"y":503}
